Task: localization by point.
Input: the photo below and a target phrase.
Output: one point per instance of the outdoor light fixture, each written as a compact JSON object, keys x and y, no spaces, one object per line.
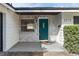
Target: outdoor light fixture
{"x":35,"y":21}
{"x":59,"y":26}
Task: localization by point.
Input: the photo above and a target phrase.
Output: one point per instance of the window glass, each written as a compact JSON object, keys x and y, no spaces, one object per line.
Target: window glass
{"x":27,"y":25}
{"x":76,"y":19}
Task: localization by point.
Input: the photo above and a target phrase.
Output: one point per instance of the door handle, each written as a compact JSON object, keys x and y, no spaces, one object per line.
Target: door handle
{"x":43,"y":25}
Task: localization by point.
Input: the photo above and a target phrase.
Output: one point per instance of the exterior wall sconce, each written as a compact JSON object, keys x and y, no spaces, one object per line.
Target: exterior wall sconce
{"x":59,"y":26}
{"x":35,"y":21}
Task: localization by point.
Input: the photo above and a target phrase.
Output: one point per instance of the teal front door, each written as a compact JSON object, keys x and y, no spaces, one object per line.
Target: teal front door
{"x":43,"y":29}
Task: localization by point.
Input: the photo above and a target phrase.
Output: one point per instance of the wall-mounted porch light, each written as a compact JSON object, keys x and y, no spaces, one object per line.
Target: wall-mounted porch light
{"x":59,"y":26}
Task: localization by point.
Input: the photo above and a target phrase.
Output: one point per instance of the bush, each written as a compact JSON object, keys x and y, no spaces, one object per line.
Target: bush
{"x":71,"y":38}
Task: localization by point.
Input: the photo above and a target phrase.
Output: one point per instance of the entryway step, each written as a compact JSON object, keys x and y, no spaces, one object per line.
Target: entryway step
{"x":44,"y":42}
{"x":37,"y":54}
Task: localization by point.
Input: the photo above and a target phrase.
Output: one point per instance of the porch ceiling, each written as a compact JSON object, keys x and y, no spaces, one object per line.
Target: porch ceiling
{"x":38,"y":13}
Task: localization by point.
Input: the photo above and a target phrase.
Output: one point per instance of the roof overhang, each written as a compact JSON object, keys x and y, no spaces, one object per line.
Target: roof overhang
{"x":44,"y":9}
{"x":38,"y":13}
{"x":8,"y":6}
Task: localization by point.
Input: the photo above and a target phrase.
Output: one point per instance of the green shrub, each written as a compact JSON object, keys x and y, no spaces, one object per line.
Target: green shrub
{"x":71,"y":38}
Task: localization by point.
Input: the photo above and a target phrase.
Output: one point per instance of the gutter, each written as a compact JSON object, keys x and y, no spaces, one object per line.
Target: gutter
{"x":46,"y":8}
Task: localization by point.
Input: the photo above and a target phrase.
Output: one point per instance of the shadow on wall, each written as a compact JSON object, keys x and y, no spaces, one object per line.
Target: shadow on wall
{"x":55,"y":37}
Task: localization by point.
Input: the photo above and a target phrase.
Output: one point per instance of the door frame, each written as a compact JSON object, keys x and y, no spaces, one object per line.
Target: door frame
{"x":1,"y":31}
{"x":38,"y":27}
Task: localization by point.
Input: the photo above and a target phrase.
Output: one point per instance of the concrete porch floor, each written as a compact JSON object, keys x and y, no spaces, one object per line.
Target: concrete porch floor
{"x":36,"y":47}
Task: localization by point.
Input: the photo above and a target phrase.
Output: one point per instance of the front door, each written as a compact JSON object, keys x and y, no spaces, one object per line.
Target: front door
{"x":43,"y":29}
{"x":1,"y":32}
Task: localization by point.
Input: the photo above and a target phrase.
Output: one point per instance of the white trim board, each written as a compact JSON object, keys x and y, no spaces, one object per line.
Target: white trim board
{"x":47,"y":11}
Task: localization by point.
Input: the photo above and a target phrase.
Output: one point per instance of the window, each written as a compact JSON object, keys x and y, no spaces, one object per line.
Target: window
{"x":27,"y":25}
{"x":76,"y":19}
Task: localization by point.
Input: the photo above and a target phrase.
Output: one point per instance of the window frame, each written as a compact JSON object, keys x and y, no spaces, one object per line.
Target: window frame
{"x":75,"y":18}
